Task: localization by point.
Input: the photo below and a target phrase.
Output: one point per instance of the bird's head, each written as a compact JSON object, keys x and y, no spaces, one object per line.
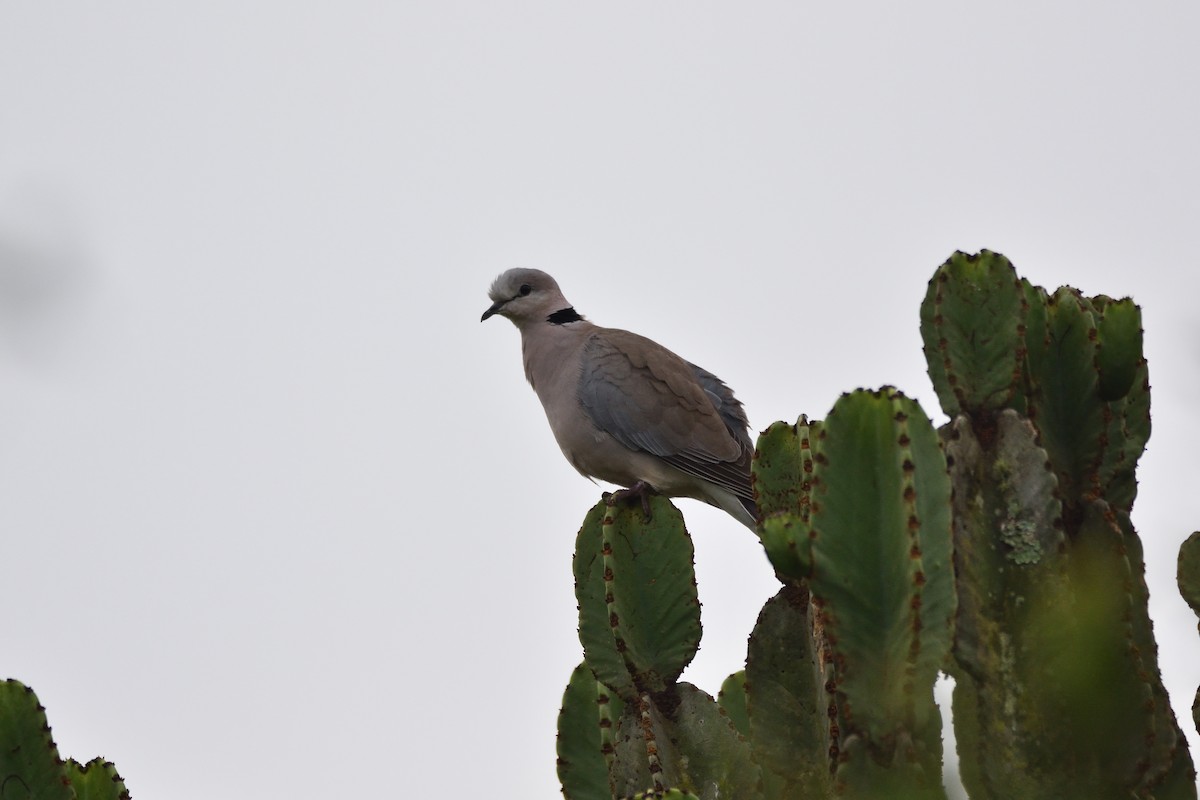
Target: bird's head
{"x":526,"y":296}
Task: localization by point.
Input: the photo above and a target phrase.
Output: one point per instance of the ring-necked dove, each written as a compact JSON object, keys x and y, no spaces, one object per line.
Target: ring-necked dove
{"x":625,"y":409}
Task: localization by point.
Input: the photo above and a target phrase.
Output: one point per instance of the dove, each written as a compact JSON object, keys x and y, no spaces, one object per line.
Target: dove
{"x":624,"y":409}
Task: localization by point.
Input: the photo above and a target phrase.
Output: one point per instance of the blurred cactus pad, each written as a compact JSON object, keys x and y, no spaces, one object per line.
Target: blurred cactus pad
{"x":30,"y":767}
{"x":997,"y":549}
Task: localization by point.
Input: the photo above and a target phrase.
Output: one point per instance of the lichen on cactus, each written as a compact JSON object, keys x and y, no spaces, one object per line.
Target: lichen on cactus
{"x":1001,"y":579}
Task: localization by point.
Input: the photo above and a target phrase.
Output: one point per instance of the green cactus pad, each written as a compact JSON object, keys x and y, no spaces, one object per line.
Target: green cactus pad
{"x":1187,"y":573}
{"x":717,"y":759}
{"x":696,"y":747}
{"x":1065,"y":404}
{"x":882,"y":574}
{"x":96,"y":780}
{"x":860,"y":776}
{"x":1104,"y":681}
{"x":1168,"y":746}
{"x":777,"y":472}
{"x":732,"y":700}
{"x":650,"y":586}
{"x":1087,"y":392}
{"x":1129,"y":430}
{"x":1187,"y":576}
{"x":1037,"y":333}
{"x":643,"y":754}
{"x":29,"y":762}
{"x":1119,"y":340}
{"x":782,"y":470}
{"x":971,"y":325}
{"x":785,"y":538}
{"x":639,"y":616}
{"x":1178,"y":782}
{"x":595,"y":632}
{"x":582,"y":765}
{"x":1124,"y":383}
{"x":786,"y":700}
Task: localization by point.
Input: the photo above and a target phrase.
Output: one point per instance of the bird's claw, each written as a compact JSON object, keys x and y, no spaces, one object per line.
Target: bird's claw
{"x":639,"y":492}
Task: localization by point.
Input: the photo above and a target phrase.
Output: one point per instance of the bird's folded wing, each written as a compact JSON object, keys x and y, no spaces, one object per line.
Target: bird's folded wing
{"x":650,"y":399}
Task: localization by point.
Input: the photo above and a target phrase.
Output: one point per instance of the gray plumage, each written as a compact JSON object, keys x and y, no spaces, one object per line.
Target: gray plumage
{"x":625,"y":409}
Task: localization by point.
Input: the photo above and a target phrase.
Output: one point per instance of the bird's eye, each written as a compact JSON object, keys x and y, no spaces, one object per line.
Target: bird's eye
{"x":525,"y":289}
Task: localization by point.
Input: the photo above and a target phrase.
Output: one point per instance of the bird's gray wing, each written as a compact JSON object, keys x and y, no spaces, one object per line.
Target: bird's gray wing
{"x":651,"y":400}
{"x":728,"y":406}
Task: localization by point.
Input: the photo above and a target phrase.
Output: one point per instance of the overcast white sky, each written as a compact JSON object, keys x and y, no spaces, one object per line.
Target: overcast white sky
{"x":282,"y":519}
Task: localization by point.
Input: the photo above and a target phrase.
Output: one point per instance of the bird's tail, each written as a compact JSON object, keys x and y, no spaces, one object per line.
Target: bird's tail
{"x":740,"y":508}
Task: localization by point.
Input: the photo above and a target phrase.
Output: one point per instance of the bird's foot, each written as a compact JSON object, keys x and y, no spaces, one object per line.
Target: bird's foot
{"x":639,"y":492}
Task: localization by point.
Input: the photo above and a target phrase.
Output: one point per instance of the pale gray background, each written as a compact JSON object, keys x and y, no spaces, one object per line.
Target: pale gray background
{"x":282,"y":519}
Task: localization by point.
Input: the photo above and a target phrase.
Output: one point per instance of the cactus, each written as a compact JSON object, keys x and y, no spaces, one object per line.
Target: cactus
{"x":883,"y":588}
{"x":782,"y":480}
{"x":1188,"y":578}
{"x":1054,"y":657}
{"x":999,"y":549}
{"x":30,"y":765}
{"x":732,"y":700}
{"x":639,"y":616}
{"x":786,"y":700}
{"x":972,"y":329}
{"x":1001,"y":579}
{"x":639,"y":624}
{"x":585,"y":745}
{"x":96,"y":780}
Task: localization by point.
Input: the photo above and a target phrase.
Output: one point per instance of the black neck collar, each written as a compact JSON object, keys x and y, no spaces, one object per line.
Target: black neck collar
{"x":563,"y":316}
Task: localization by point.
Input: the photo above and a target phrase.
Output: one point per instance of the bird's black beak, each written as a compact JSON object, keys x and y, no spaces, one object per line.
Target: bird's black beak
{"x":496,"y":306}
